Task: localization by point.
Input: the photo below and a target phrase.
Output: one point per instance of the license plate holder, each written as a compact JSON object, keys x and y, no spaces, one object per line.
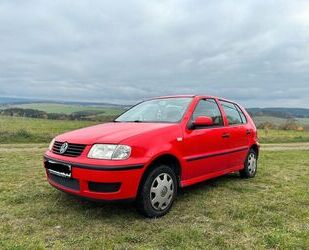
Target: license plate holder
{"x":59,"y":168}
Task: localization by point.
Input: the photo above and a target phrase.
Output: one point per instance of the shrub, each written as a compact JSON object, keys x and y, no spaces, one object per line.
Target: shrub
{"x":291,"y":124}
{"x":23,"y":133}
{"x":266,"y":125}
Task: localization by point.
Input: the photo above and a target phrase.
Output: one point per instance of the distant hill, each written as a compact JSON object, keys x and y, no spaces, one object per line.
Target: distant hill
{"x":280,"y":112}
{"x":13,"y":100}
{"x":87,"y":115}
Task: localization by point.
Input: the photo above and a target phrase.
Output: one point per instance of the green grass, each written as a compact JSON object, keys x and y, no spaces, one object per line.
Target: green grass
{"x":66,"y":108}
{"x":282,"y":136}
{"x":274,"y":120}
{"x":269,"y":211}
{"x":278,"y":121}
{"x":303,"y":121}
{"x":27,"y":130}
{"x":23,"y":130}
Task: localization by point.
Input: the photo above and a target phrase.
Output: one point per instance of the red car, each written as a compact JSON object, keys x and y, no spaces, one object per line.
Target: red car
{"x":153,"y":149}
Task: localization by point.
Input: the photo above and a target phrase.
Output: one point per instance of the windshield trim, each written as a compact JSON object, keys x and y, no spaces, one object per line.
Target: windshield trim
{"x":184,"y":97}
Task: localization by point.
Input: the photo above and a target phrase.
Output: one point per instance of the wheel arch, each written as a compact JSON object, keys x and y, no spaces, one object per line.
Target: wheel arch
{"x":255,"y":147}
{"x":168,"y":159}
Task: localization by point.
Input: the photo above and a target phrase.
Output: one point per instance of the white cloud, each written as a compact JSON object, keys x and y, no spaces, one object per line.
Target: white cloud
{"x":252,"y":51}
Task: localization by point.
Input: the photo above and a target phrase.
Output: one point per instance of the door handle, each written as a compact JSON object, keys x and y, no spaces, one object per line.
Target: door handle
{"x":226,"y":135}
{"x":248,"y":132}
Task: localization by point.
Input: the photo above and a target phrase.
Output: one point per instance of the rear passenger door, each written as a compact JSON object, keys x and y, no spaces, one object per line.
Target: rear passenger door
{"x":237,"y":133}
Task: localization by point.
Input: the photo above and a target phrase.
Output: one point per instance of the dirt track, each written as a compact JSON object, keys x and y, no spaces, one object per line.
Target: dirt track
{"x":285,"y":146}
{"x":42,"y":147}
{"x":23,"y":147}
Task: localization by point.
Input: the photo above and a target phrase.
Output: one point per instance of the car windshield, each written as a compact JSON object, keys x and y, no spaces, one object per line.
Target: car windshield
{"x":157,"y":110}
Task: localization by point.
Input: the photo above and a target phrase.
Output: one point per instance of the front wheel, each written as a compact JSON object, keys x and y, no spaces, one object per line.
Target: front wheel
{"x":250,"y":167}
{"x":157,"y":192}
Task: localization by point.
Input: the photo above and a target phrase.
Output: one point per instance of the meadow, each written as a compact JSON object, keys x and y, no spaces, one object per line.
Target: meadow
{"x":270,"y":211}
{"x":29,"y":130}
{"x":279,"y":121}
{"x":282,"y":136}
{"x":66,"y":108}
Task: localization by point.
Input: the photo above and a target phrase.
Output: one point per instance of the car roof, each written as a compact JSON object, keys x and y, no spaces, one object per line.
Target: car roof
{"x":172,"y":96}
{"x":193,"y":96}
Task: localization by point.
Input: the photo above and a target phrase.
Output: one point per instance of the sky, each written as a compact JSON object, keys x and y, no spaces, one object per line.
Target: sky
{"x":253,"y":52}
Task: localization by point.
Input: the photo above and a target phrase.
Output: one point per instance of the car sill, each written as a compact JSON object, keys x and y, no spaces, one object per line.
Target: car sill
{"x":200,"y":157}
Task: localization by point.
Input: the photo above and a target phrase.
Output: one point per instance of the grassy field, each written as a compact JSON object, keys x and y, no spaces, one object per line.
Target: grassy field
{"x":274,"y":120}
{"x":269,"y":211}
{"x":23,"y":130}
{"x":304,"y":121}
{"x":278,"y":121}
{"x":67,"y":108}
{"x":282,"y":136}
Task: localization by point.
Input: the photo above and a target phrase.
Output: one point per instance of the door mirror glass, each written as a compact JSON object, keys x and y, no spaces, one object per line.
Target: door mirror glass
{"x":202,"y":121}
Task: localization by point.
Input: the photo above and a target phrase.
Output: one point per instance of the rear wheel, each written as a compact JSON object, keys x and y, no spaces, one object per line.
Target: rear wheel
{"x":250,"y":168}
{"x":157,"y":192}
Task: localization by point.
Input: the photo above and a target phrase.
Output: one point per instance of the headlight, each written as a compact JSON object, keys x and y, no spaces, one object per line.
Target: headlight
{"x":110,"y":152}
{"x":51,"y":144}
{"x":122,"y":152}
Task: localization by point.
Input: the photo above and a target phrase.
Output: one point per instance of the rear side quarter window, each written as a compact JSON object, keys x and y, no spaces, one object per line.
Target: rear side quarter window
{"x":242,"y":115}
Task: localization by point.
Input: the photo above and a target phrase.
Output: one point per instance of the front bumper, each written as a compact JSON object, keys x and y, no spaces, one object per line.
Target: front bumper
{"x":97,"y":182}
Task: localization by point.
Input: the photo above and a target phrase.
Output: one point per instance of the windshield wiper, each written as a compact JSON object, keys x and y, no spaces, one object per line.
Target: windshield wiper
{"x":130,"y":121}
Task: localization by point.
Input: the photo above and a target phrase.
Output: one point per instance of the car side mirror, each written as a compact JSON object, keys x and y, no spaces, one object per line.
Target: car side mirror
{"x":202,"y":121}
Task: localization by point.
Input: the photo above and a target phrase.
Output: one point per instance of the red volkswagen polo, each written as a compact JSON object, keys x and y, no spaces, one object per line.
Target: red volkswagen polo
{"x":154,"y":148}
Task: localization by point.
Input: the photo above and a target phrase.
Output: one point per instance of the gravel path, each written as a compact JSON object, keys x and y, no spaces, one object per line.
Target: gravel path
{"x":23,"y":147}
{"x":285,"y":146}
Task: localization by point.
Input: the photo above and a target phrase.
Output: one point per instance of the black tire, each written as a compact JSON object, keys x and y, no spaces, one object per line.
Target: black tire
{"x":250,"y":165}
{"x":145,"y":201}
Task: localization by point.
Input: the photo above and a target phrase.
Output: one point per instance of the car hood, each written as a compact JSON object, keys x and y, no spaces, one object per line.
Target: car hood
{"x":113,"y":132}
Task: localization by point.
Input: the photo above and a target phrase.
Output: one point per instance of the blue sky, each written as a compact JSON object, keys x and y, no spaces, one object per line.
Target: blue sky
{"x":254,"y":52}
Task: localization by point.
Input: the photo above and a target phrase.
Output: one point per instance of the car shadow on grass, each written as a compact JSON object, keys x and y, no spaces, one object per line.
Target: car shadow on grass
{"x":104,"y":209}
{"x":126,"y":209}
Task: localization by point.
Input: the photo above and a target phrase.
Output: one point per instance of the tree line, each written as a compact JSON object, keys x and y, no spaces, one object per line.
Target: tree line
{"x":87,"y":115}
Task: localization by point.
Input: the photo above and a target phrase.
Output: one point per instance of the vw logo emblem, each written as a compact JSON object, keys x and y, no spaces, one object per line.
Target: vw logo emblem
{"x":63,"y":148}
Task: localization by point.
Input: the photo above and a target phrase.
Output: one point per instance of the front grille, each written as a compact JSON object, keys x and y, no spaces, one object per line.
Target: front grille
{"x":65,"y":182}
{"x":73,"y":150}
{"x":104,"y":187}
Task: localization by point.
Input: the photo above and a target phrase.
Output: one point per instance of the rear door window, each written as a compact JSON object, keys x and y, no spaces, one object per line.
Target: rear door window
{"x":232,"y":113}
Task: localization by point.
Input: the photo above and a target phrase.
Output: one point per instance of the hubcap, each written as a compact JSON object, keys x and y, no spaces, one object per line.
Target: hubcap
{"x":251,"y":163}
{"x":162,"y":191}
